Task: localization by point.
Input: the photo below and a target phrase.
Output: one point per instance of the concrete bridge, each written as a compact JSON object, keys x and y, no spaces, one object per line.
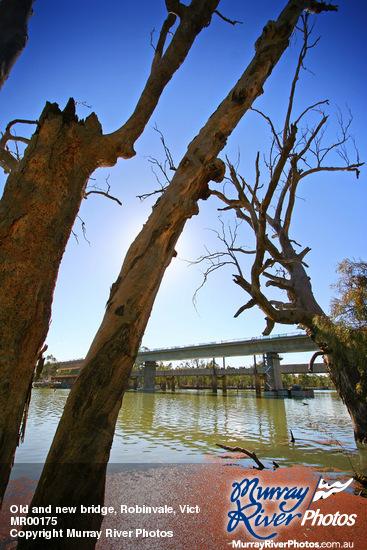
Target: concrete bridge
{"x":272,"y":380}
{"x":268,"y":347}
{"x":284,"y":343}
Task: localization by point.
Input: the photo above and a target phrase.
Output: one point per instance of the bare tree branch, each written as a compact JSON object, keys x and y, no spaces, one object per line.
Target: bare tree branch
{"x":167,"y":25}
{"x":313,"y":359}
{"x":14,"y":17}
{"x":106,"y":194}
{"x":276,"y":258}
{"x":306,"y":33}
{"x":193,"y":18}
{"x":228,"y":20}
{"x":268,"y":119}
{"x":162,"y":167}
{"x":94,"y":189}
{"x":250,"y":454}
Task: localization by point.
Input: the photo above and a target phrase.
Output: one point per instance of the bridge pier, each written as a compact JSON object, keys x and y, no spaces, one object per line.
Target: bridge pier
{"x":214,"y":383}
{"x":257,"y":380}
{"x":257,"y":384}
{"x":273,"y":371}
{"x":224,"y":383}
{"x":164,"y":383}
{"x":149,"y":375}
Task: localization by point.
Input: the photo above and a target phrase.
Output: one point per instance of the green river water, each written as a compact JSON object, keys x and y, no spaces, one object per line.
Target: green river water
{"x":184,"y":428}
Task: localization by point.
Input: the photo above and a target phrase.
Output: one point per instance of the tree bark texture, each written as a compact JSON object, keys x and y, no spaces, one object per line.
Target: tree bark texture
{"x":38,"y":208}
{"x":74,"y":473}
{"x":37,"y":211}
{"x":14,"y":17}
{"x":348,"y":371}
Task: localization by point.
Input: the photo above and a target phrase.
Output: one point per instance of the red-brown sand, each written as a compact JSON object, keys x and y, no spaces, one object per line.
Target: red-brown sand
{"x":207,"y":487}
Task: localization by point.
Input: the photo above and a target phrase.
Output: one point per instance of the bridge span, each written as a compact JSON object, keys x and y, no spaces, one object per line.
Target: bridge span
{"x":269,"y":347}
{"x":284,"y":343}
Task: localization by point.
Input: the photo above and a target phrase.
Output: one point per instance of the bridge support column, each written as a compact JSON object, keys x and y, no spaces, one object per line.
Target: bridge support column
{"x":164,"y":383}
{"x":273,"y":371}
{"x":214,"y":383}
{"x":173,"y":385}
{"x":224,"y":384}
{"x":149,"y":375}
{"x":257,"y":384}
{"x":257,"y":380}
{"x":197,"y":382}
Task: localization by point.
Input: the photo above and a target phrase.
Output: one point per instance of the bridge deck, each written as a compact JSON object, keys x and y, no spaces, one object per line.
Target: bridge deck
{"x":284,"y":343}
{"x":255,"y":346}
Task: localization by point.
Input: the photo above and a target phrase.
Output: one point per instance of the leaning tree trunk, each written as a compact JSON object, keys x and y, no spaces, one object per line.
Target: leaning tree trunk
{"x":345,"y":363}
{"x":39,"y":205}
{"x":74,"y":473}
{"x":348,"y":370}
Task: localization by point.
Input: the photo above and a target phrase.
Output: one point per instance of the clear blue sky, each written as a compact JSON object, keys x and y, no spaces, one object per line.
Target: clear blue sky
{"x":100,"y":53}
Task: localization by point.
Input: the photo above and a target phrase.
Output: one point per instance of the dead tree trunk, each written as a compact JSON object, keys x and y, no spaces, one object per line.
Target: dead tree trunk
{"x":40,"y":203}
{"x":268,"y":210}
{"x":37,"y":212}
{"x":347,"y":370}
{"x":74,"y":473}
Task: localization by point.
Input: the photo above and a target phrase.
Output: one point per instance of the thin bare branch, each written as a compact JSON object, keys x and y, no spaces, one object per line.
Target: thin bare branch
{"x":301,"y":58}
{"x":84,"y":231}
{"x":311,"y":108}
{"x":167,"y":25}
{"x":228,"y":20}
{"x":105,"y":193}
{"x":95,"y":189}
{"x":84,"y":104}
{"x":162,"y":167}
{"x":351,"y":168}
{"x":242,"y":251}
{"x":145,"y":196}
{"x":167,"y":151}
{"x":8,"y":136}
{"x":313,"y":136}
{"x":268,"y":119}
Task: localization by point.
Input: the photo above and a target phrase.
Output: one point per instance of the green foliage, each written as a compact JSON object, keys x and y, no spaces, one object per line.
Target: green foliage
{"x":348,"y":347}
{"x":349,"y":316}
{"x":320,"y":382}
{"x":49,"y":368}
{"x":349,"y":308}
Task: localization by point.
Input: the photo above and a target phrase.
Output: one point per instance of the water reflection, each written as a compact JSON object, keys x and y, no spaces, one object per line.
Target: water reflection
{"x":186,"y":426}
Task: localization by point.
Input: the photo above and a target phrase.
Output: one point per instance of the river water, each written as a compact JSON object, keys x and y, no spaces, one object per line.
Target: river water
{"x":184,"y":427}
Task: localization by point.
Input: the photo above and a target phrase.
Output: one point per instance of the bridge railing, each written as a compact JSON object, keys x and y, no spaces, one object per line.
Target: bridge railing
{"x":261,"y":337}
